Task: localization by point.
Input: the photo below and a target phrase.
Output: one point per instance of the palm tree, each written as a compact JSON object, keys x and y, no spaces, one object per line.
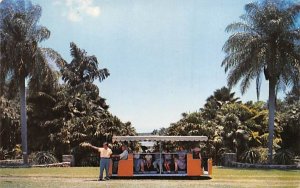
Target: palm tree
{"x":265,"y":41}
{"x":223,"y":95}
{"x":79,"y":113}
{"x":128,"y":129}
{"x":214,"y":102}
{"x":21,"y":57}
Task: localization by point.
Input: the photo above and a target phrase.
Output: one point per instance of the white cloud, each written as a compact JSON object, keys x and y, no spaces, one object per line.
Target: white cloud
{"x":77,"y":9}
{"x":74,"y":16}
{"x":57,"y":2}
{"x":93,"y":11}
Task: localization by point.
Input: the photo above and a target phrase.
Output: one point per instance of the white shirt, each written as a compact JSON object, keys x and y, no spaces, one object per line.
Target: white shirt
{"x":136,"y":155}
{"x":105,"y":153}
{"x":124,"y":155}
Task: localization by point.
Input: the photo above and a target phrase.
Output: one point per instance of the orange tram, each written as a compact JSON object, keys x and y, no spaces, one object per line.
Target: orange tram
{"x":194,"y":167}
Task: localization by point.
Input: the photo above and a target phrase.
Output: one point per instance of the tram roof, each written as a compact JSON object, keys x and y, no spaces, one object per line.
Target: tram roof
{"x":159,"y":138}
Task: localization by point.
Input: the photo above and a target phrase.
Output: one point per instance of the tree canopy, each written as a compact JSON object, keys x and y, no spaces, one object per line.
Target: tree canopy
{"x":265,"y":41}
{"x":21,"y":57}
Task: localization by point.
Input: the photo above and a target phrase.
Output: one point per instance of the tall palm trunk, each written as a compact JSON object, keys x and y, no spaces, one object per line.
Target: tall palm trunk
{"x":1,"y":126}
{"x":272,"y":85}
{"x":23,"y":120}
{"x":1,"y":115}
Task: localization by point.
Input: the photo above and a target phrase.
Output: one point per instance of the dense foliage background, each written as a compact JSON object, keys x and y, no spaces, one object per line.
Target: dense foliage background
{"x":242,"y":128}
{"x":65,"y":111}
{"x":65,"y":108}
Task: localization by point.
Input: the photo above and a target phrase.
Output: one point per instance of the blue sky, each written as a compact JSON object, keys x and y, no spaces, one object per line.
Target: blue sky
{"x":164,"y":56}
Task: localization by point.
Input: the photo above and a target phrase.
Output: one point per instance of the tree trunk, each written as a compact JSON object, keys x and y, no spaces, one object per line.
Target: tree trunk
{"x":23,"y":120}
{"x":1,"y":113}
{"x":271,"y":106}
{"x":1,"y":132}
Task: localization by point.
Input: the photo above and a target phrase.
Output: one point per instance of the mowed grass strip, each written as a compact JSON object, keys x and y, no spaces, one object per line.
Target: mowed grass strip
{"x":62,"y":172}
{"x":221,"y":173}
{"x":87,"y":176}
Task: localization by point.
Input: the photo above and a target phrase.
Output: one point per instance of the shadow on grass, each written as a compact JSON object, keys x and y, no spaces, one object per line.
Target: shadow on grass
{"x":153,"y":177}
{"x":91,"y":180}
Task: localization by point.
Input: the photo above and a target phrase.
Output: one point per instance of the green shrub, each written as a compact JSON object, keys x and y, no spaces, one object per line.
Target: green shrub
{"x":85,"y":156}
{"x":263,"y":155}
{"x":250,"y":156}
{"x":284,"y":157}
{"x":43,"y":157}
{"x":4,"y":154}
{"x":91,"y":160}
{"x":17,"y":152}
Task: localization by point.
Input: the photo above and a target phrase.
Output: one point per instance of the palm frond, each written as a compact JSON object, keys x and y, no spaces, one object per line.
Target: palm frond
{"x":76,"y":53}
{"x":103,"y":73}
{"x":251,"y":7}
{"x":54,"y":56}
{"x":239,"y":27}
{"x":245,"y":83}
{"x":41,"y":34}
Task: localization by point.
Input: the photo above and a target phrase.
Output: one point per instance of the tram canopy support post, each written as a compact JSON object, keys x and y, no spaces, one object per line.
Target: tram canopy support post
{"x":160,"y":156}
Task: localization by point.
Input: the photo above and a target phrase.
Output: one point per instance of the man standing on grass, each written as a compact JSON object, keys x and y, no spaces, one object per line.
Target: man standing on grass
{"x":105,"y":154}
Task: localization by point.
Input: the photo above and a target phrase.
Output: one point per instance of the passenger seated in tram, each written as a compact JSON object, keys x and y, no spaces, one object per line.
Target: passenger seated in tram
{"x":157,"y":164}
{"x":180,"y":159}
{"x":196,"y":153}
{"x":203,"y":158}
{"x":167,"y":160}
{"x":138,"y":161}
{"x":122,"y":156}
{"x":148,"y":162}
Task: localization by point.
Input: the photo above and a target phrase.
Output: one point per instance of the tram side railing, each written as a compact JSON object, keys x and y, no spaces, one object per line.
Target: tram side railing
{"x":210,"y":164}
{"x":193,"y":166}
{"x":125,"y":167}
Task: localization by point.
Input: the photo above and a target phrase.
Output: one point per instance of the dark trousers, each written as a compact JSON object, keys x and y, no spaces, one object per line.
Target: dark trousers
{"x":204,"y":163}
{"x":115,"y":166}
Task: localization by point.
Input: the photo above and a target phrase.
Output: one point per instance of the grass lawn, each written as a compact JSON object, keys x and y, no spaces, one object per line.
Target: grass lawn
{"x":87,"y":176}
